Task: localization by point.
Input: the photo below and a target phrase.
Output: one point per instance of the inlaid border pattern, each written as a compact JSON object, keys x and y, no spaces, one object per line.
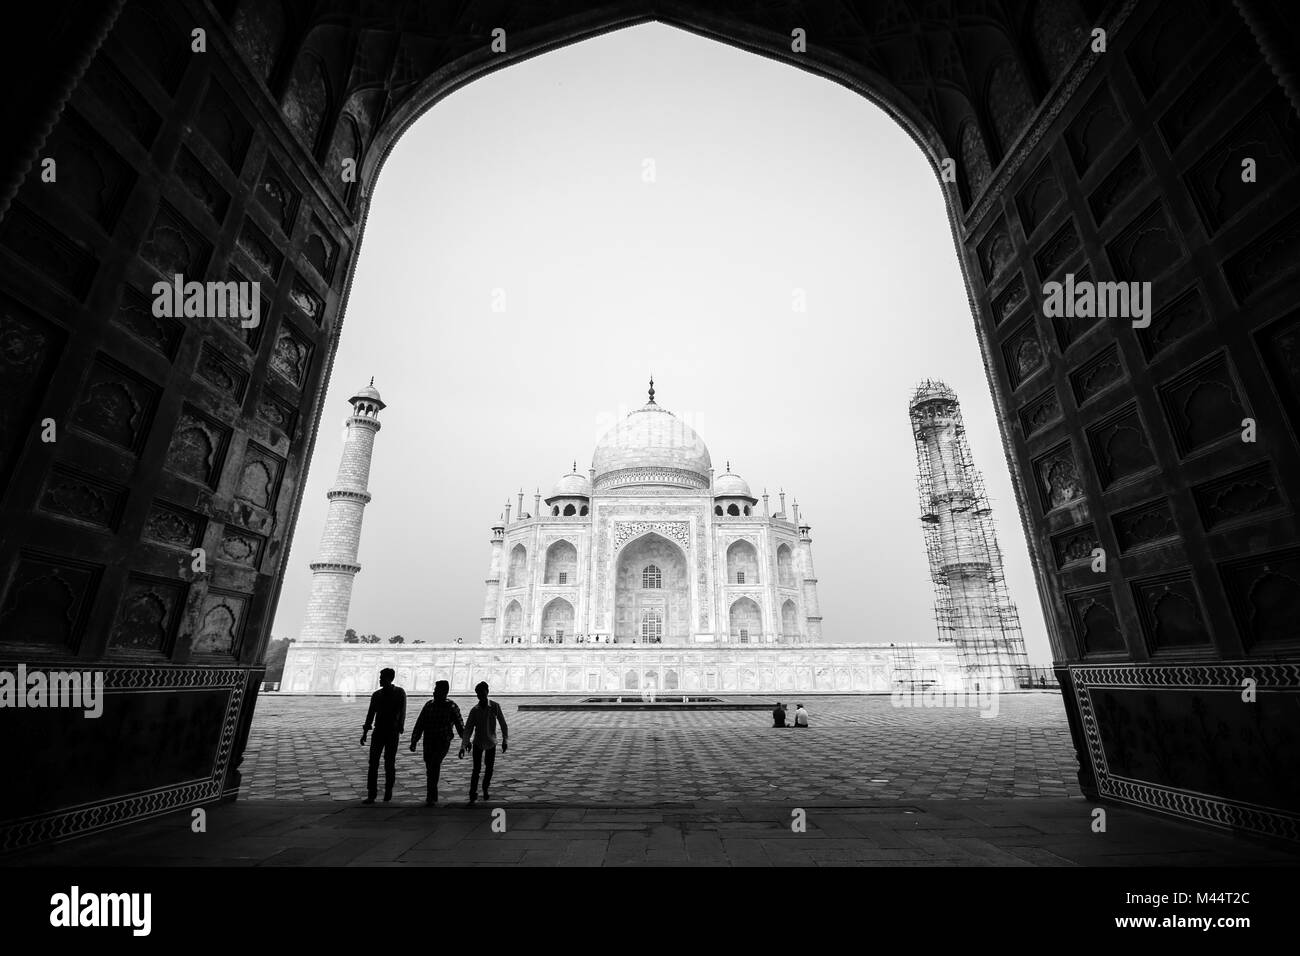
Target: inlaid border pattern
{"x":1188,"y":805}
{"x":115,"y":811}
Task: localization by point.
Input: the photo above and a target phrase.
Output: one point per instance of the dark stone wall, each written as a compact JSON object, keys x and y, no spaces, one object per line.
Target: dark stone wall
{"x":174,"y":434}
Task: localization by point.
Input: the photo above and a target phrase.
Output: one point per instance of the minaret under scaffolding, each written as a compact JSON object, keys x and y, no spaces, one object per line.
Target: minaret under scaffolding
{"x":972,"y":607}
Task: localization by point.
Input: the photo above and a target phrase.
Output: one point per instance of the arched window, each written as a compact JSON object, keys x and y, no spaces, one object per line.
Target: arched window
{"x":582,"y":512}
{"x":717,"y":509}
{"x":561,"y":563}
{"x":742,"y":563}
{"x":652,"y":626}
{"x":651,"y":577}
{"x":789,"y":623}
{"x":513,"y":623}
{"x":785,"y":566}
{"x":746,"y":510}
{"x":733,"y":511}
{"x":569,"y":511}
{"x":555,"y":511}
{"x":518,"y":566}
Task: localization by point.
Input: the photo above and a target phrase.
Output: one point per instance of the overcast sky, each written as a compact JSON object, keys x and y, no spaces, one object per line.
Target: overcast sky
{"x":767,"y":180}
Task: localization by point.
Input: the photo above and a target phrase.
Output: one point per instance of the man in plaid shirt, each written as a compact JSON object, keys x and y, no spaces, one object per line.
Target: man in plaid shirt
{"x":436,"y":721}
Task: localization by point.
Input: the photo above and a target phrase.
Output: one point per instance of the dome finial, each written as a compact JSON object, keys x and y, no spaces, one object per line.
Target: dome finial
{"x":575,"y":466}
{"x":372,"y":381}
{"x":652,"y":389}
{"x":728,"y":467}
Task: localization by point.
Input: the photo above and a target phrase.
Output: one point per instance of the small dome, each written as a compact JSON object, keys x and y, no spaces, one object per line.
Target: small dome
{"x":731,"y":486}
{"x":368,"y":394}
{"x":572,"y":485}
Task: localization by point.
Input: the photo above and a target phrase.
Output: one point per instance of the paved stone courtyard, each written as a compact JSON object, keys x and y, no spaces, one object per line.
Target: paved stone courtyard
{"x":880,"y":786}
{"x":858,"y":748}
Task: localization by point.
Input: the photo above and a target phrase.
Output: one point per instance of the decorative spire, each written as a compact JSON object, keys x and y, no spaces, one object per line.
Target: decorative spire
{"x":652,"y":389}
{"x":372,"y":381}
{"x":575,"y":466}
{"x":728,"y":467}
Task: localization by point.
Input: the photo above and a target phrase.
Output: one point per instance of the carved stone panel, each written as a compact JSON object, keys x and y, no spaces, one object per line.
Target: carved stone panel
{"x":115,"y":405}
{"x":148,"y":616}
{"x":1175,"y":321}
{"x":1147,"y":248}
{"x":1040,"y":412}
{"x":174,"y":526}
{"x":259,"y":478}
{"x":46,"y":601}
{"x":1075,"y":546}
{"x":1120,"y":448}
{"x":995,"y":252}
{"x":174,"y":247}
{"x":1058,"y":477}
{"x":1149,"y":523}
{"x":1095,"y":622}
{"x":1006,"y":302}
{"x":1024,"y":353}
{"x":1270,"y":137}
{"x":277,"y":196}
{"x":1038,"y":197}
{"x":201,"y":185}
{"x":221,"y":622}
{"x":198,"y":447}
{"x":1264,"y":592}
{"x":240,"y":547}
{"x":70,"y":494}
{"x":1096,"y":375}
{"x":291,"y":357}
{"x":1275,"y":254}
{"x":307,"y":301}
{"x":276,"y":412}
{"x":1057,"y":250}
{"x":224,"y":126}
{"x":1242,"y":496}
{"x":223,"y":374}
{"x":1202,"y":405}
{"x":1098,"y":125}
{"x":1171,"y":613}
{"x":260,"y":249}
{"x":135,"y":314}
{"x":1118,"y":185}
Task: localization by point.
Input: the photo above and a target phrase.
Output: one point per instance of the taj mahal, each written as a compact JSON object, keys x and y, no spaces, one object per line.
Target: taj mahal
{"x":652,"y":572}
{"x":650,"y":546}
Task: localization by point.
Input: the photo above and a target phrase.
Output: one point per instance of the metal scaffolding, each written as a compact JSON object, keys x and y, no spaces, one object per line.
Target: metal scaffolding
{"x":972,"y":607}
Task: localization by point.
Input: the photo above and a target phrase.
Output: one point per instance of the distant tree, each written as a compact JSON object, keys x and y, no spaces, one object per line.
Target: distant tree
{"x":350,"y":637}
{"x":397,"y":639}
{"x":370,"y":639}
{"x":417,"y":641}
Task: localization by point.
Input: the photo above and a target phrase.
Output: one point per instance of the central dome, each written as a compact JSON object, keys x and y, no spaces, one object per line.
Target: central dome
{"x":652,"y":446}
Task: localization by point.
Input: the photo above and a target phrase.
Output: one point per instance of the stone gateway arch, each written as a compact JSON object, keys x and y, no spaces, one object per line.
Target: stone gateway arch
{"x":1172,"y":446}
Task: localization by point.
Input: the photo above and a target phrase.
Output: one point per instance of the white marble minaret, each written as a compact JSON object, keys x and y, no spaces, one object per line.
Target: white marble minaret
{"x":336,"y":562}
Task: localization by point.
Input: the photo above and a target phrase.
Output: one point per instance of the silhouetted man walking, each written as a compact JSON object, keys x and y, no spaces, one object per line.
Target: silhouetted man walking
{"x":387,"y":715}
{"x":435,"y":723}
{"x":481,"y":735}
